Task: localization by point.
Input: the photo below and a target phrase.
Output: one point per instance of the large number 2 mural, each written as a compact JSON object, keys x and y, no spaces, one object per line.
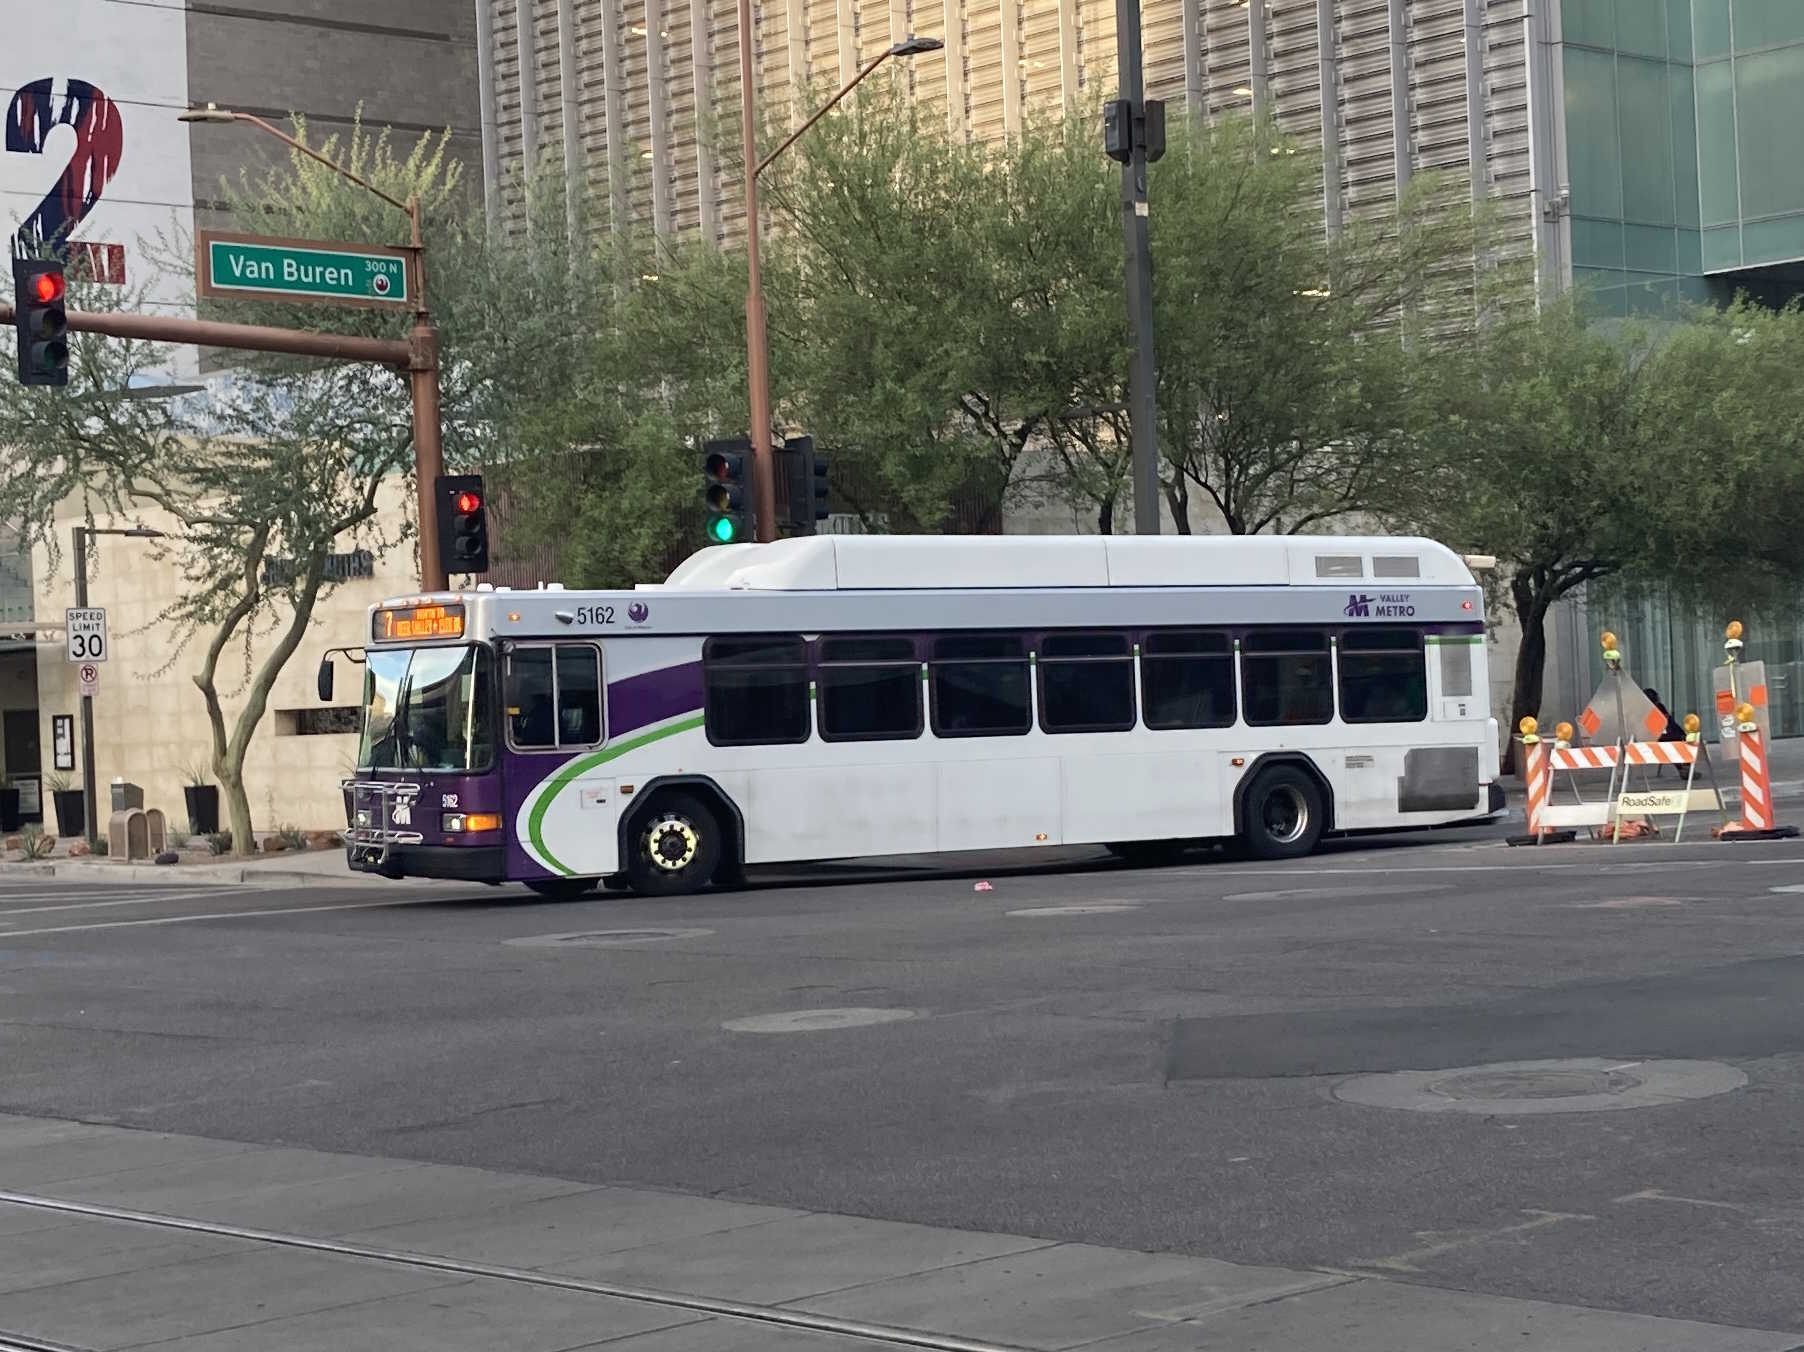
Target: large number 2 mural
{"x":35,"y":111}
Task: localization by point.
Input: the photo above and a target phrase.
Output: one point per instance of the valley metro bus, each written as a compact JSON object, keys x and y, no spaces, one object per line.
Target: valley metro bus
{"x":839,"y":696}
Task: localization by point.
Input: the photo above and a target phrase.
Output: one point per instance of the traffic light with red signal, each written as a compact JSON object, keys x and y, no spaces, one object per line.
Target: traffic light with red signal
{"x":39,"y":293}
{"x":463,"y":524}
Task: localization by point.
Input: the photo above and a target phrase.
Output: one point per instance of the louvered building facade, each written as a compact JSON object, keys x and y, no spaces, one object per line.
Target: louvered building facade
{"x":630,"y":94}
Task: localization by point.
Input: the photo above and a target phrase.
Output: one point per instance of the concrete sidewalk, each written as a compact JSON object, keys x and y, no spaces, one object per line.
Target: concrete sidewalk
{"x":121,"y":1239}
{"x":281,"y":870}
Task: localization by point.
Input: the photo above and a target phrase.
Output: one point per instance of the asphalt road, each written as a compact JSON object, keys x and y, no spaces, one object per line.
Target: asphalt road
{"x":1139,"y":1058}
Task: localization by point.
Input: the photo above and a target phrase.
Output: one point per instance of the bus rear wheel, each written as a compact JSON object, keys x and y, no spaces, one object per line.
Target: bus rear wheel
{"x":673,"y":846}
{"x":1283,"y":814}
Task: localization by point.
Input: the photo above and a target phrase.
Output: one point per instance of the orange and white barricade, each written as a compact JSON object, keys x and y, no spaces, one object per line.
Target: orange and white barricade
{"x":1757,"y":820}
{"x":1624,"y":811}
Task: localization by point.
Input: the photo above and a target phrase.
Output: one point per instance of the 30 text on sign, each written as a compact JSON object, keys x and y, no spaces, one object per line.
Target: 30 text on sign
{"x":232,"y":266}
{"x":86,"y":630}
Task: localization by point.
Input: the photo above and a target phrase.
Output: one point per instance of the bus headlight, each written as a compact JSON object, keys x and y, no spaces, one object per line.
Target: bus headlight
{"x":363,"y":816}
{"x":458,"y":823}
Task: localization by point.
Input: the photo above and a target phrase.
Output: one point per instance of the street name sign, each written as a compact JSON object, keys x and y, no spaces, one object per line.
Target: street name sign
{"x":85,"y":628}
{"x":231,"y":266}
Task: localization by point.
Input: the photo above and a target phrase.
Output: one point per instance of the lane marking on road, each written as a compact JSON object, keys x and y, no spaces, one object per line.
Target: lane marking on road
{"x":215,"y":915}
{"x":1082,"y":908}
{"x":1407,"y":1260}
{"x":1366,"y":870}
{"x":816,"y":1020}
{"x":129,"y":901}
{"x":779,"y":1316}
{"x":1655,"y":1195}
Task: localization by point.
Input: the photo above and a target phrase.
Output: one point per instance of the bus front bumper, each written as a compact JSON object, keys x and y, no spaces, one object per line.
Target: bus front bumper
{"x":456,"y":863}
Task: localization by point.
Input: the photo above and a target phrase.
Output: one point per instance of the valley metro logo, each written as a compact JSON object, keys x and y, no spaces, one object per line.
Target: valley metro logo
{"x":1358,"y":607}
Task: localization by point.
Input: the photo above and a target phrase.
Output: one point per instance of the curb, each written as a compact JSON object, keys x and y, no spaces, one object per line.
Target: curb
{"x":250,"y":875}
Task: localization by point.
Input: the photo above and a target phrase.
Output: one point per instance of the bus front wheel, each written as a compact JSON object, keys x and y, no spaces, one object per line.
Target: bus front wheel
{"x":1283,"y":813}
{"x":675,"y":845}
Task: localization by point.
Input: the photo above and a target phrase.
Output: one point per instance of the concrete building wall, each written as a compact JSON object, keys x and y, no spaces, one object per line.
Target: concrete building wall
{"x":405,"y":64}
{"x":150,"y":723}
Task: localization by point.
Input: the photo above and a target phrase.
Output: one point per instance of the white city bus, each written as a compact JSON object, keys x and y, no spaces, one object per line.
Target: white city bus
{"x":878,"y":695}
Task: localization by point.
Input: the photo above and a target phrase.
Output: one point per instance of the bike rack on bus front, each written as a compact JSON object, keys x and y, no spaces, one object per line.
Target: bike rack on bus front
{"x":389,"y":793}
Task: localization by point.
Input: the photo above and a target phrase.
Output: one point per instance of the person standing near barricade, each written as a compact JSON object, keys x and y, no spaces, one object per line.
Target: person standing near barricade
{"x":1672,"y":732}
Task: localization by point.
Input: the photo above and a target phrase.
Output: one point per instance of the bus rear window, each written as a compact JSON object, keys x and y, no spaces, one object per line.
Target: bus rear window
{"x":1187,"y":679}
{"x":1383,"y":676}
{"x":1286,"y":676}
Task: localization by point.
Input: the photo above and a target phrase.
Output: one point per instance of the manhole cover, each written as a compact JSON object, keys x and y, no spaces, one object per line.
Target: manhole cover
{"x":1533,"y":1084}
{"x":1093,"y":908}
{"x":1578,"y":1085}
{"x":815,"y":1020}
{"x":617,"y":938}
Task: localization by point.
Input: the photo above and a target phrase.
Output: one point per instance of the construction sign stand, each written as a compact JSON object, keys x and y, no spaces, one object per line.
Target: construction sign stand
{"x":1741,"y":701}
{"x":1623,"y":813}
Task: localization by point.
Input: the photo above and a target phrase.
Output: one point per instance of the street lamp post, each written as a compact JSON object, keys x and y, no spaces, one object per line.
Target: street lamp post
{"x":423,"y":361}
{"x":757,"y":347}
{"x":79,"y":537}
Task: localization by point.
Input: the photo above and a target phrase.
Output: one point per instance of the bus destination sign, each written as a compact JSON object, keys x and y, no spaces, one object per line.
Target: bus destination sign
{"x":392,"y":624}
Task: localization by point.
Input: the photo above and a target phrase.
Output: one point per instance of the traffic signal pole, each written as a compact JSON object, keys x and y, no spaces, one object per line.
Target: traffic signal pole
{"x":428,"y":423}
{"x":1143,"y":392}
{"x":417,"y":355}
{"x":757,"y":350}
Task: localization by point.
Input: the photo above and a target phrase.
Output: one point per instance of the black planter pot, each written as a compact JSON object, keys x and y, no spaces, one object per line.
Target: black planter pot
{"x":9,"y":810}
{"x":203,"y":808}
{"x":71,"y":821}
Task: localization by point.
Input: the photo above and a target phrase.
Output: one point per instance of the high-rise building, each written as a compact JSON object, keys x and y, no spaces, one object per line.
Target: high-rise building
{"x":1640,"y":144}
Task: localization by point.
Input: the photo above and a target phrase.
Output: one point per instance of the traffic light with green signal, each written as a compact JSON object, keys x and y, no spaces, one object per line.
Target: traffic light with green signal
{"x":38,"y":312}
{"x":727,"y":490}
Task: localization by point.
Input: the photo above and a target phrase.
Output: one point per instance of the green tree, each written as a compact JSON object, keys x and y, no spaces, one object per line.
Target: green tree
{"x":1287,"y":359}
{"x":1575,"y":451}
{"x":952,"y":302}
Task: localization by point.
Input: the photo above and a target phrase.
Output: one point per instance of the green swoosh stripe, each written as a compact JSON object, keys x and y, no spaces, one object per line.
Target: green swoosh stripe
{"x":535,"y":820}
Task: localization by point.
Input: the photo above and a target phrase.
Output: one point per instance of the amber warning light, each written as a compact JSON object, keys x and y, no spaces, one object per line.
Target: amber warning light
{"x":397,"y":623}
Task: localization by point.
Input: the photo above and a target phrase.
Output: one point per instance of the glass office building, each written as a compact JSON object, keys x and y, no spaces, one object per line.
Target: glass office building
{"x":1681,"y":146}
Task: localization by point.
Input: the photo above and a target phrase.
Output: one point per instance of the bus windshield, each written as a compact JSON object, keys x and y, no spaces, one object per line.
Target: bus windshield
{"x":428,"y":709}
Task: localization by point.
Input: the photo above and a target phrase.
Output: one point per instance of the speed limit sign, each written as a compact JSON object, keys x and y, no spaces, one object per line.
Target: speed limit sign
{"x":86,"y":628}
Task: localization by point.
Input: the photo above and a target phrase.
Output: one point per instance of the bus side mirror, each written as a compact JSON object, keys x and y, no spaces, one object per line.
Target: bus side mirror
{"x":324,"y":680}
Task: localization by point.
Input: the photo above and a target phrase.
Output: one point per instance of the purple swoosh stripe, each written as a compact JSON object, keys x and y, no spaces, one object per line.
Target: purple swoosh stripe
{"x":652,"y":696}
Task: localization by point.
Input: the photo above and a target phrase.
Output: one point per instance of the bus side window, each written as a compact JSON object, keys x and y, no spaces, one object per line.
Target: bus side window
{"x":870,"y":689}
{"x":578,"y":695}
{"x":756,"y":689}
{"x":1086,"y":683}
{"x":1383,"y":676}
{"x":1286,"y":676}
{"x":980,"y":686}
{"x":531,"y":699}
{"x":1187,"y":679}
